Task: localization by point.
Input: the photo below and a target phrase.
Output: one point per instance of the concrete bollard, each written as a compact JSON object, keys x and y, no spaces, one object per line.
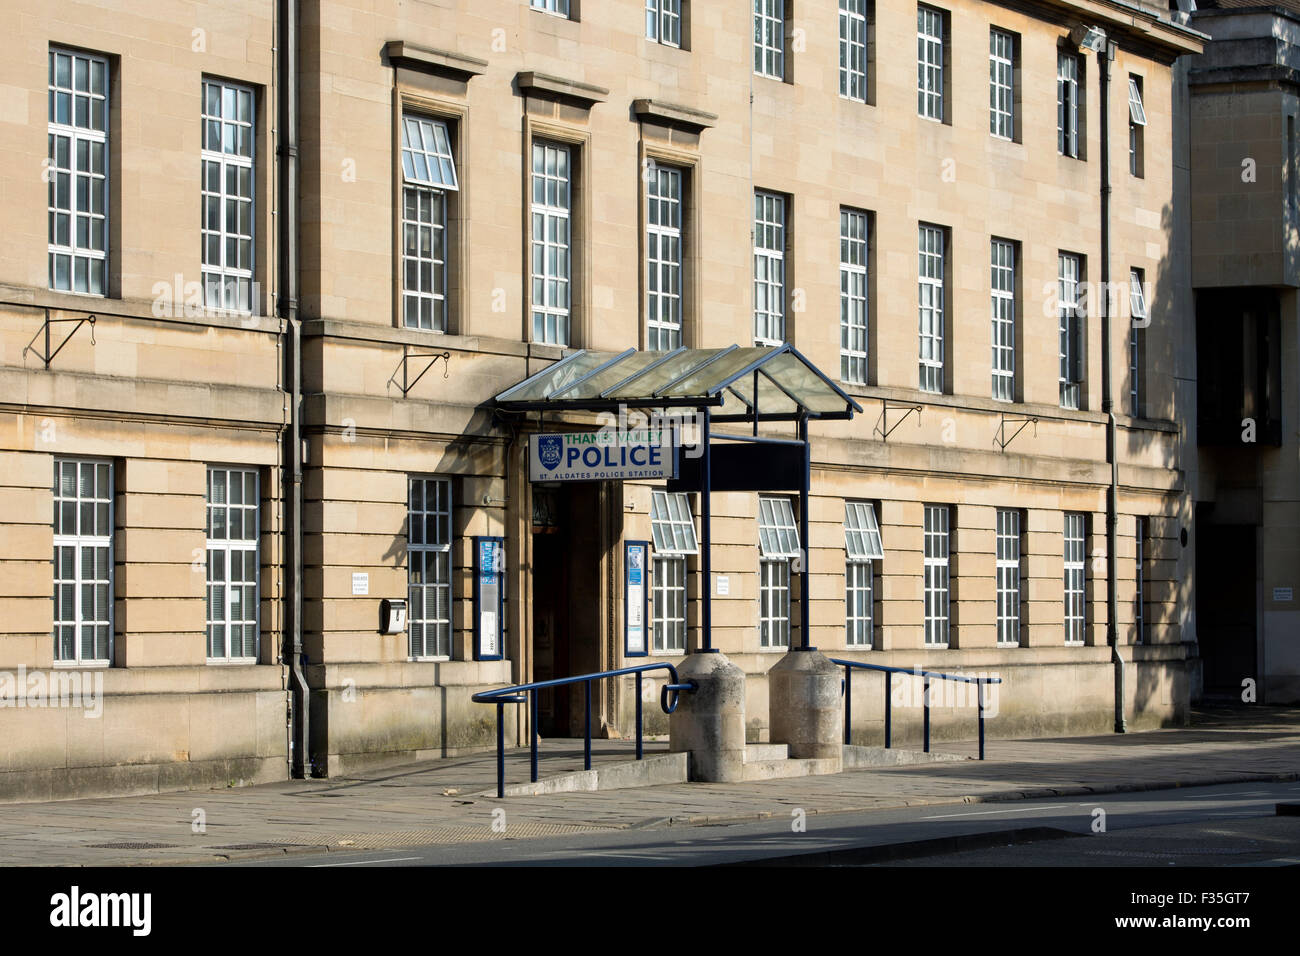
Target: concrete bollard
{"x":709,"y":723}
{"x":805,"y":708}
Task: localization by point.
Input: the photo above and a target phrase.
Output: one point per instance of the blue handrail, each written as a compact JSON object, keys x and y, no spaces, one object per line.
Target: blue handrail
{"x":668,"y":699}
{"x":847,"y":690}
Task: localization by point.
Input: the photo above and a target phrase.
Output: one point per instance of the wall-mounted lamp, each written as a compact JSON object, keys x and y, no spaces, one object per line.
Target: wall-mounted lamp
{"x":1088,"y":38}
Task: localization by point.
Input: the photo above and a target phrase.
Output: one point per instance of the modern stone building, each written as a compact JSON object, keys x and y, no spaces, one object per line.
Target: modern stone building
{"x":317,"y":239}
{"x":1244,"y":222}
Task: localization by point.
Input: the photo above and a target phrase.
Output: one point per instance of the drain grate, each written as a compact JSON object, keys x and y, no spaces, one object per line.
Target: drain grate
{"x":131,"y":845}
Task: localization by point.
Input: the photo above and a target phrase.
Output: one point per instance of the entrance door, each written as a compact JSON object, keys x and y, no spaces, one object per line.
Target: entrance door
{"x":1225,"y":606}
{"x":566,"y":601}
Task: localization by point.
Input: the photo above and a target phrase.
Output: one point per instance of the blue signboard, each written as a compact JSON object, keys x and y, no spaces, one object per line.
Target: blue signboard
{"x":610,"y":455}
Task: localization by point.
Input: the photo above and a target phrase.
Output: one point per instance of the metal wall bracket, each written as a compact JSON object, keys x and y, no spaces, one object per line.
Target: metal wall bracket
{"x":48,"y":356}
{"x":883,"y":428}
{"x":409,"y":383}
{"x":1001,"y":440}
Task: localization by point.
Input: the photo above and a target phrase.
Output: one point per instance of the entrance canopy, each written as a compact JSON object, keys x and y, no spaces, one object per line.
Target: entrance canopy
{"x":751,"y":384}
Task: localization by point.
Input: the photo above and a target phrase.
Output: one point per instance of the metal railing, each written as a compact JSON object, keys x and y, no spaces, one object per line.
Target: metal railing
{"x":889,"y":672}
{"x":668,"y":698}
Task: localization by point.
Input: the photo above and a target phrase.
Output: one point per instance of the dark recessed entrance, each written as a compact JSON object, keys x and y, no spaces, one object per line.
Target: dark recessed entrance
{"x":566,"y":599}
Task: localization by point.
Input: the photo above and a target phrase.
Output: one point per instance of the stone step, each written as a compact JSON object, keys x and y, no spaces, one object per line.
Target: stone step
{"x":776,"y":769}
{"x":855,"y":757}
{"x":653,"y":771}
{"x":756,"y":752}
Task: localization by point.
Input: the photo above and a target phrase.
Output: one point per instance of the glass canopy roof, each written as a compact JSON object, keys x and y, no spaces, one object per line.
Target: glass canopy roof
{"x":774,"y":382}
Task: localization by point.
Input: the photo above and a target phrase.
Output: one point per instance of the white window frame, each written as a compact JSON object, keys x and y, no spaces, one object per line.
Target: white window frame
{"x":672,"y":527}
{"x":1002,"y":283}
{"x":1009,"y":575}
{"x":1067,"y":104}
{"x":664,"y":257}
{"x":83,"y":489}
{"x":663,"y":21}
{"x":428,"y":175}
{"x":1136,"y":339}
{"x":938,"y":582}
{"x":769,"y":267}
{"x":556,"y":8}
{"x":931,"y":265}
{"x":769,"y":38}
{"x":1070,"y":328}
{"x":853,"y":50}
{"x":435,"y":646}
{"x":862,"y":548}
{"x":77,"y":223}
{"x":1137,"y":117}
{"x":1002,"y":79}
{"x":668,"y":594}
{"x":552,"y":241}
{"x":228,"y":181}
{"x":855,"y":230}
{"x":930,"y":42}
{"x":1075,"y":555}
{"x":778,"y":544}
{"x":223,"y":542}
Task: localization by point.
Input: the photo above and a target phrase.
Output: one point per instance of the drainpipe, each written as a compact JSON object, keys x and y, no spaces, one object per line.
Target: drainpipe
{"x":287,"y":308}
{"x":1104,"y":58}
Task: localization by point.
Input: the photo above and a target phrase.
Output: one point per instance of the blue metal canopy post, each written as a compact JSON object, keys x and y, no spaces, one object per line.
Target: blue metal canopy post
{"x":706,"y":542}
{"x":805,"y":605}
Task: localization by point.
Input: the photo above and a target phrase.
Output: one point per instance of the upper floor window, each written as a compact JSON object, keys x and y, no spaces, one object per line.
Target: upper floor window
{"x":769,"y":268}
{"x":1137,"y":121}
{"x":78,"y":172}
{"x":428,"y":179}
{"x":228,"y":209}
{"x":558,"y":7}
{"x":663,"y":21}
{"x":769,"y":38}
{"x":1002,"y":279}
{"x":552,"y":204}
{"x":663,"y":258}
{"x":853,"y":296}
{"x":1069,"y":68}
{"x":930,"y":42}
{"x":1069,"y":277}
{"x":1136,"y":339}
{"x":853,"y":49}
{"x":930,"y":307}
{"x":1002,"y":78}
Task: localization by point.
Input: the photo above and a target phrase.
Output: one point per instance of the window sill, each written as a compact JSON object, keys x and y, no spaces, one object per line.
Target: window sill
{"x":81,"y":665}
{"x":429,"y":660}
{"x":230,"y":662}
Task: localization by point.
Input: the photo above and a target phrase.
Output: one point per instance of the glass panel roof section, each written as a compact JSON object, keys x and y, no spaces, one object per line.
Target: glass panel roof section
{"x":706,"y":379}
{"x":560,"y":375}
{"x":610,"y":376}
{"x":644,"y":386}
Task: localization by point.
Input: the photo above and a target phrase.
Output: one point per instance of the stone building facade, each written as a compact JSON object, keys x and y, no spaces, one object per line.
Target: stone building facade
{"x":908,"y":194}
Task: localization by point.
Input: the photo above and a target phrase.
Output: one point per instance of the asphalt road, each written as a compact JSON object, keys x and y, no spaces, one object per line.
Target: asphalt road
{"x":1202,"y":826}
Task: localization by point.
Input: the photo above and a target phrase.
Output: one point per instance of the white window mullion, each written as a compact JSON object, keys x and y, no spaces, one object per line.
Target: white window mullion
{"x":83,"y":561}
{"x":1001,"y":80}
{"x":551,"y":241}
{"x":930,"y":277}
{"x":1069,"y":274}
{"x":428,"y":569}
{"x":769,"y":268}
{"x":936,"y":543}
{"x":78,"y":173}
{"x":769,"y":38}
{"x":853,"y":296}
{"x":1075,"y":591}
{"x":929,"y":63}
{"x":664,"y":258}
{"x":1003,"y":283}
{"x":227,"y":196}
{"x":853,"y":49}
{"x":233,"y":598}
{"x":1008,"y":577}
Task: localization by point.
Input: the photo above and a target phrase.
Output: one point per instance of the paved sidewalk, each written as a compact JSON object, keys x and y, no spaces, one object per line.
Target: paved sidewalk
{"x":438,"y":801}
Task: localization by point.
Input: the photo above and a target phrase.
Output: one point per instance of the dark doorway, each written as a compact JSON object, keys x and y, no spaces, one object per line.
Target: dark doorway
{"x":566,"y":601}
{"x":1225,"y":606}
